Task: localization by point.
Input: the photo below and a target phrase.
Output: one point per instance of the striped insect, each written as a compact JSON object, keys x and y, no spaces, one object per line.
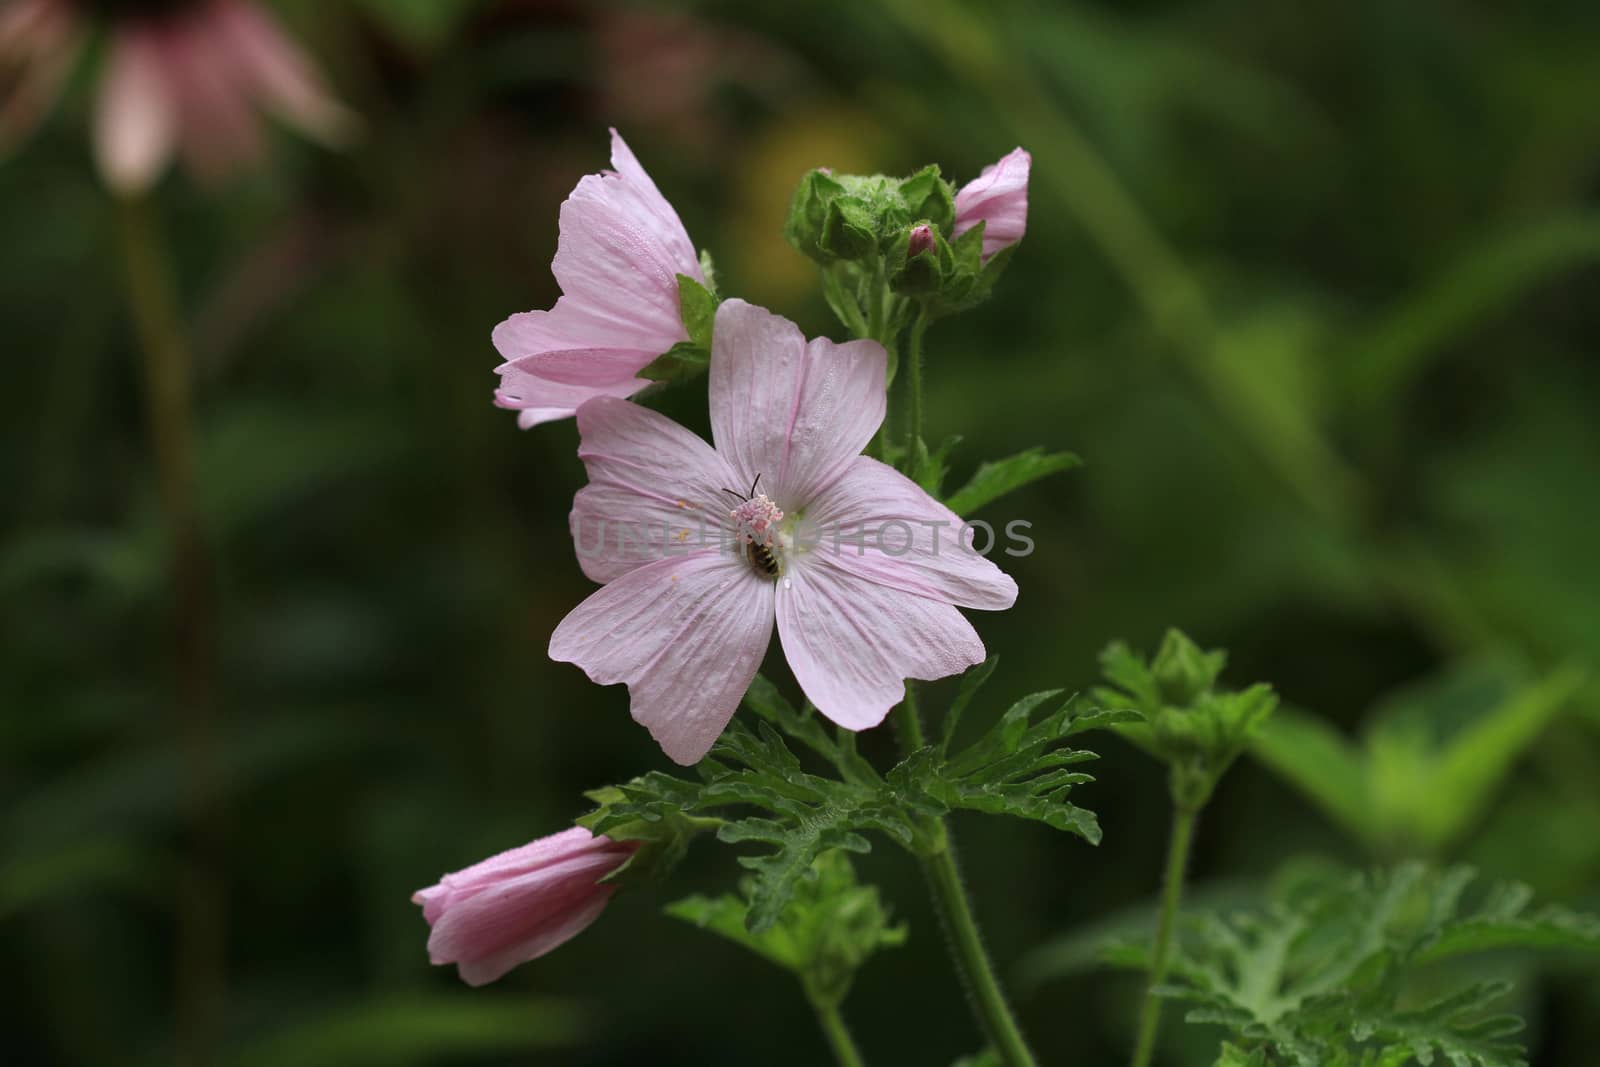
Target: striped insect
{"x":756,"y":517}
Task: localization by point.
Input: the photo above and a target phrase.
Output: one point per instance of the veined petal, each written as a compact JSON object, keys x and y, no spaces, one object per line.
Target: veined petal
{"x":621,"y":250}
{"x":520,"y":918}
{"x":878,"y":524}
{"x":685,"y":635}
{"x":538,"y":400}
{"x":852,"y":642}
{"x":665,"y":224}
{"x":655,"y":490}
{"x":794,"y":413}
{"x":539,"y":941}
{"x":618,"y":262}
{"x":998,"y":198}
{"x":136,"y":120}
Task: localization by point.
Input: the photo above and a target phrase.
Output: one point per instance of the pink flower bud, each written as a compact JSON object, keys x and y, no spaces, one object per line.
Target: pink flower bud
{"x":519,"y":905}
{"x":999,"y":199}
{"x":921,"y":240}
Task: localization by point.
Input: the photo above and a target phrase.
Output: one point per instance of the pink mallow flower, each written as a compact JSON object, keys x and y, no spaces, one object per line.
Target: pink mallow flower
{"x":998,"y":198}
{"x":621,"y":250}
{"x":702,"y":549}
{"x":183,"y":76}
{"x":519,"y":905}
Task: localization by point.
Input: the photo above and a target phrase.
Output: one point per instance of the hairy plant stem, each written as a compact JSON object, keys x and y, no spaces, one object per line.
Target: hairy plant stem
{"x":914,"y":383}
{"x":834,"y":1029}
{"x":201,"y":896}
{"x":962,"y":936}
{"x":1183,"y":820}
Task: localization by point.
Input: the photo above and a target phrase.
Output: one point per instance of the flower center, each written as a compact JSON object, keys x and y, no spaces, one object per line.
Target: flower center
{"x":756,"y":526}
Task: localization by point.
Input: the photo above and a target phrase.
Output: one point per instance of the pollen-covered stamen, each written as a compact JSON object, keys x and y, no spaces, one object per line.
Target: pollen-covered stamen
{"x":756,"y":520}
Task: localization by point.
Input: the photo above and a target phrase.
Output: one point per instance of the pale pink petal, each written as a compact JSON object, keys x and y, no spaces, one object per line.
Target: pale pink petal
{"x":666,"y":227}
{"x":686,"y":636}
{"x":537,"y":400}
{"x":515,"y":861}
{"x":794,"y":413}
{"x":481,"y":971}
{"x":999,"y":198}
{"x":878,"y":524}
{"x":618,"y":263}
{"x":852,"y":642}
{"x":520,"y":904}
{"x":219,"y":129}
{"x":543,"y":342}
{"x":655,"y":490}
{"x":582,"y":365}
{"x":621,"y":250}
{"x":136,"y":122}
{"x":280,"y":72}
{"x":520,"y":917}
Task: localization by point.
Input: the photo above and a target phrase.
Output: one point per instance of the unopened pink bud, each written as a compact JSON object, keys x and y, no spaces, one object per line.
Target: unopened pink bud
{"x":519,"y":905}
{"x":921,"y":240}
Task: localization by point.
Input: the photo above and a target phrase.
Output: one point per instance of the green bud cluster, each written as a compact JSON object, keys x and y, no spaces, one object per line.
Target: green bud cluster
{"x":895,"y":229}
{"x":1185,"y":721}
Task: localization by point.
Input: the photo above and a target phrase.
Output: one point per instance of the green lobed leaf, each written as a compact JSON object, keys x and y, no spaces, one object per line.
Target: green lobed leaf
{"x":1016,"y":768}
{"x":1321,"y":973}
{"x":994,"y":480}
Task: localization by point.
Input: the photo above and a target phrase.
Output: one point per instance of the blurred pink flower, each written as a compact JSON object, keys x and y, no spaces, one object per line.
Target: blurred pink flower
{"x":617,"y":261}
{"x":861,"y":569}
{"x":519,"y":905}
{"x":183,"y":77}
{"x":998,"y":198}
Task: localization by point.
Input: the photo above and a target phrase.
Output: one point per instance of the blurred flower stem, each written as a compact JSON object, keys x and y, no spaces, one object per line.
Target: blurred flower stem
{"x":962,"y":936}
{"x":168,"y":380}
{"x":1183,"y":820}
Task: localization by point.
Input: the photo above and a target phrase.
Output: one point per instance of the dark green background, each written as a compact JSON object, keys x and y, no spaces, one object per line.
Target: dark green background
{"x":1311,"y":288}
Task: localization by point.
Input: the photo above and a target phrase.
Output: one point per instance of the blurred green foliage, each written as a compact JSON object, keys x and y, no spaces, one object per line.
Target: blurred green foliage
{"x":1309,"y":288}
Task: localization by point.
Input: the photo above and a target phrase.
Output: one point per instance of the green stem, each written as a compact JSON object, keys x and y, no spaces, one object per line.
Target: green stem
{"x":914,"y":384}
{"x":834,"y":1029}
{"x":168,"y":374}
{"x":962,"y":936}
{"x":1183,"y":820}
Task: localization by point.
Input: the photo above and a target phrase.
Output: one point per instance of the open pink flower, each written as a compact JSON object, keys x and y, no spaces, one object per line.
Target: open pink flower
{"x":183,"y":77}
{"x":859,"y":567}
{"x":621,"y":250}
{"x":998,"y":198}
{"x":517,"y":906}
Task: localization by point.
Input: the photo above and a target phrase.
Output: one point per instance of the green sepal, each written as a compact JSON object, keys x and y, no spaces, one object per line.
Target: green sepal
{"x":708,"y":267}
{"x":928,"y":196}
{"x":849,"y":230}
{"x":924,"y":274}
{"x":663,"y":831}
{"x":808,"y":209}
{"x":698,"y":307}
{"x":682,"y":361}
